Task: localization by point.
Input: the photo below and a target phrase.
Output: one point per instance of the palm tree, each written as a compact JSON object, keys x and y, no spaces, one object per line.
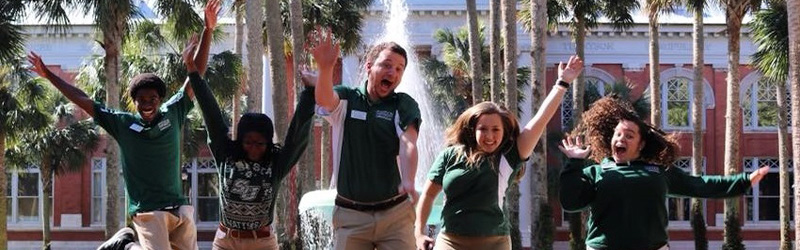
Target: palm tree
{"x":697,"y":215}
{"x":509,"y":32}
{"x":794,"y":83}
{"x":770,"y":34}
{"x":494,"y":50}
{"x":238,"y":39}
{"x":475,"y":71}
{"x":18,"y":116}
{"x":57,"y":148}
{"x":254,"y":20}
{"x":735,"y":10}
{"x":654,"y":8}
{"x":542,"y":228}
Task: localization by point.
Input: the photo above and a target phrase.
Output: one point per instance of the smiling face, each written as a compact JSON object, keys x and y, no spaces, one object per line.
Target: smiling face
{"x":384,"y":74}
{"x":489,"y":132}
{"x":147,"y":102}
{"x":254,"y":145}
{"x":626,"y":144}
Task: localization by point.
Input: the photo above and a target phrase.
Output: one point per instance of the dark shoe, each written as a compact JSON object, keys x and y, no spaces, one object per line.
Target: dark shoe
{"x":120,"y":239}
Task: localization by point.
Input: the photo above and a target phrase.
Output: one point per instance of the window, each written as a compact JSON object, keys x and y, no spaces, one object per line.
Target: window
{"x":23,"y":202}
{"x":762,"y":202}
{"x":599,"y":80}
{"x":677,"y":92}
{"x":760,"y":105}
{"x":100,"y":195}
{"x":202,"y":185}
{"x":679,"y":209}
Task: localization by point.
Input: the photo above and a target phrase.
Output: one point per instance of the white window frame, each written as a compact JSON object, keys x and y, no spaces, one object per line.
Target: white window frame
{"x":202,"y":165}
{"x":688,"y":169}
{"x":590,"y":72}
{"x":756,"y":163}
{"x":99,"y":166}
{"x":12,"y":217}
{"x":708,"y":97}
{"x":752,"y":82}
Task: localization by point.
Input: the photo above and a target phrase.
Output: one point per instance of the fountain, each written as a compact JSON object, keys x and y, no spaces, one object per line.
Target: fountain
{"x":316,"y":207}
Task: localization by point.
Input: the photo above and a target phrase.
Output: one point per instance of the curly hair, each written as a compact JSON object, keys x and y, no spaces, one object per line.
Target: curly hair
{"x":597,"y":127}
{"x":462,"y":132}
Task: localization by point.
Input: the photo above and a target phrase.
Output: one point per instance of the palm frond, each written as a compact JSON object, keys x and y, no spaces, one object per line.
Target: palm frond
{"x":771,"y":36}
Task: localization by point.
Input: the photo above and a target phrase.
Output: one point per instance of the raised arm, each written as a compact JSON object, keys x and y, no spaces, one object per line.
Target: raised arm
{"x":72,"y":93}
{"x":535,"y":127}
{"x":209,"y":108}
{"x":576,"y":189}
{"x":201,"y":55}
{"x":325,"y":54}
{"x":299,"y":133}
{"x":423,"y":209}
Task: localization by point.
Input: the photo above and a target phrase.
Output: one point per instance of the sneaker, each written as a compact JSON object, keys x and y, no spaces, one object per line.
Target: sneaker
{"x":120,"y":239}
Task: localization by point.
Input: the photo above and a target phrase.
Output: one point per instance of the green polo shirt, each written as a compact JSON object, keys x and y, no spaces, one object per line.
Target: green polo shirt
{"x":366,"y":142}
{"x":150,"y":152}
{"x":627,"y":201}
{"x":475,"y":196}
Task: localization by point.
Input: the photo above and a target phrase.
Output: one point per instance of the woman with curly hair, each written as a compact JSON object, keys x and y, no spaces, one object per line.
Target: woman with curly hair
{"x":626,"y":192}
{"x":485,"y":150}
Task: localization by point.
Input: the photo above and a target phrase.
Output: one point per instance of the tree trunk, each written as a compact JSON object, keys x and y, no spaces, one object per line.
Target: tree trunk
{"x":510,"y":53}
{"x":254,"y":19}
{"x":783,"y":167}
{"x":655,"y":82}
{"x":237,"y":49}
{"x":46,"y":175}
{"x":697,"y":214}
{"x":324,"y":153}
{"x":794,"y":83}
{"x":541,"y":226}
{"x":3,"y":193}
{"x":578,"y":86}
{"x":305,"y":167}
{"x":494,"y":50}
{"x":112,"y":41}
{"x":476,"y":70}
{"x":732,"y":161}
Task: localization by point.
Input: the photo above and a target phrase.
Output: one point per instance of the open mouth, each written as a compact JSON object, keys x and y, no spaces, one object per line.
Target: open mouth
{"x":620,"y":149}
{"x":148,"y":113}
{"x":386,"y":84}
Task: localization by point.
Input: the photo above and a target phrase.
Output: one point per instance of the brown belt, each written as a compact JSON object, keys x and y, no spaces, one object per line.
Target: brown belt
{"x":345,"y":203}
{"x":262,"y":232}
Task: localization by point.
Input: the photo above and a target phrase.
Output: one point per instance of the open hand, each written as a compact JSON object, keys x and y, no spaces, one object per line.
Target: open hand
{"x":573,"y":147}
{"x":188,"y":54}
{"x":323,"y":47}
{"x":572,"y":70}
{"x":211,"y":11}
{"x":37,"y":64}
{"x":759,"y":174}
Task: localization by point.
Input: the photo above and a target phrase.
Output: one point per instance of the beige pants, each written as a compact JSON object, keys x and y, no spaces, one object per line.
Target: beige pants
{"x":446,"y":241}
{"x":390,"y":229}
{"x":223,"y":241}
{"x":164,"y":230}
{"x":665,"y":247}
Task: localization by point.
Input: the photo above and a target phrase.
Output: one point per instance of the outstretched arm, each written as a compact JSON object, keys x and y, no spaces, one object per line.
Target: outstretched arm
{"x":712,"y":186}
{"x":325,"y":54}
{"x":535,"y":127}
{"x":72,"y":93}
{"x":201,"y":55}
{"x":209,"y":108}
{"x":576,"y":189}
{"x":299,"y":133}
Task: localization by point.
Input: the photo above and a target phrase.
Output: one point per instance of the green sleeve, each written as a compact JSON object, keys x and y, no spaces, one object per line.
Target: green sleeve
{"x":110,"y":120}
{"x":709,"y":186}
{"x":576,"y":185}
{"x":297,"y":136}
{"x":408,"y":110}
{"x":436,"y":173}
{"x":218,"y":140}
{"x":512,"y":155}
{"x":179,"y":105}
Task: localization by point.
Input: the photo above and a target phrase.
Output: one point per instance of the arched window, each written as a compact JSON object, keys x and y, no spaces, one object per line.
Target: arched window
{"x":676,"y":99}
{"x":759,"y":104}
{"x":597,"y":80}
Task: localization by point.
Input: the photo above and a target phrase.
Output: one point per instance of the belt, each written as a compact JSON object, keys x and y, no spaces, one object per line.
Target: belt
{"x":377,"y":206}
{"x":262,"y":232}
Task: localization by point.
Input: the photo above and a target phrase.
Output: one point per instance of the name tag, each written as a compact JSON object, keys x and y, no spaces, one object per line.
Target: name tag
{"x":136,"y":127}
{"x":163,"y":124}
{"x":356,"y":114}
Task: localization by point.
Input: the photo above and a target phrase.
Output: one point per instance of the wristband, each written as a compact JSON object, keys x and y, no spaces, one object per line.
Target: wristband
{"x":562,"y":83}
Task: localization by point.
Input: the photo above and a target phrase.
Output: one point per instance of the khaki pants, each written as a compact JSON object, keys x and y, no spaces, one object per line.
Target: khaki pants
{"x":446,"y":241}
{"x":665,"y":247}
{"x":390,"y":229}
{"x":223,"y":241}
{"x":165,"y":230}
